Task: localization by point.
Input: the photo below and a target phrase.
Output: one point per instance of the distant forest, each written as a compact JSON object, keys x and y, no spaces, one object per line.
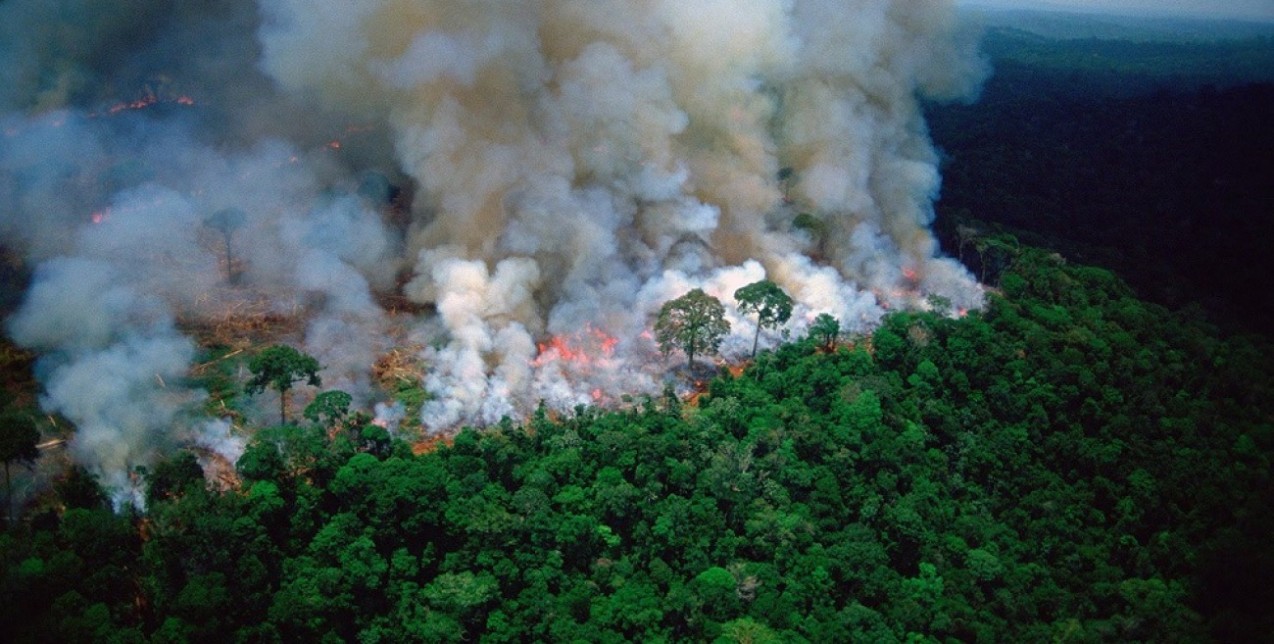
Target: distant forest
{"x":1154,"y":159}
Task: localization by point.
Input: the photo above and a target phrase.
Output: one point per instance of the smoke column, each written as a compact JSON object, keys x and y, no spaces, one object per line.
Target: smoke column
{"x":572,"y":164}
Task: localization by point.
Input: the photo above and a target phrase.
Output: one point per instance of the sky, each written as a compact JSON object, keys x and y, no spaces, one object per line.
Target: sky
{"x":1262,"y":10}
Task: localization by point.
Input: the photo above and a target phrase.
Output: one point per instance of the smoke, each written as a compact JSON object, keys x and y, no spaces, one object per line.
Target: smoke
{"x":571,"y":165}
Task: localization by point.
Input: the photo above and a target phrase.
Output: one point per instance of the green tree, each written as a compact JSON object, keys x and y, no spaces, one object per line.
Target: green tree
{"x":746,"y":630}
{"x":279,"y":367}
{"x":79,"y":489}
{"x":695,"y":322}
{"x":768,"y":301}
{"x":261,"y":461}
{"x":329,"y":408}
{"x":173,"y":477}
{"x":826,"y":328}
{"x":18,"y":437}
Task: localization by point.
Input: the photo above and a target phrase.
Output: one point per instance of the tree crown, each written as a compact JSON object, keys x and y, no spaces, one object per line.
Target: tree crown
{"x":279,"y":367}
{"x":694,"y":322}
{"x":767,"y":300}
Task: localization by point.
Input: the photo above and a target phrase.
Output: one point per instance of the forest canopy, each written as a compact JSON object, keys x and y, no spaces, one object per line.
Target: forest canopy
{"x":1083,"y":459}
{"x":1057,"y":466}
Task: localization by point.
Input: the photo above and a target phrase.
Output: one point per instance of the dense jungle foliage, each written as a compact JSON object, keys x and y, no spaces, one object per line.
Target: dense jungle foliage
{"x":1153,"y":159}
{"x":1069,"y":464}
{"x":1073,"y":463}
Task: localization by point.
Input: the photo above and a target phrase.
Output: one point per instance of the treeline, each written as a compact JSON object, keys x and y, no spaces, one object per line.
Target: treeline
{"x":1069,"y":464}
{"x":1168,"y":183}
{"x":1121,"y":67}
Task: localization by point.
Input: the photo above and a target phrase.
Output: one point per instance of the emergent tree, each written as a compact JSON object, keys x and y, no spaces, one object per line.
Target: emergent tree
{"x":279,"y":367}
{"x":695,"y":322}
{"x":768,"y":301}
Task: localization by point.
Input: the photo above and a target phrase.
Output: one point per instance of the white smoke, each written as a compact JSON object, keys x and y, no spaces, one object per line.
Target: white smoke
{"x":581,"y":162}
{"x":571,"y":165}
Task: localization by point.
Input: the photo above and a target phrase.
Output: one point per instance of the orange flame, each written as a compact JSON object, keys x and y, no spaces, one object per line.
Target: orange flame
{"x":139,"y":104}
{"x":582,"y":349}
{"x":149,"y":99}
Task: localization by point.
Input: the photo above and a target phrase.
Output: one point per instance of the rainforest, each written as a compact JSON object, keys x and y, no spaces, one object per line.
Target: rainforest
{"x":1082,"y":455}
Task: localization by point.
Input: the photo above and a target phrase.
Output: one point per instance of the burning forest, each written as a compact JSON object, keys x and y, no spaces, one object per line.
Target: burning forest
{"x":528,"y":182}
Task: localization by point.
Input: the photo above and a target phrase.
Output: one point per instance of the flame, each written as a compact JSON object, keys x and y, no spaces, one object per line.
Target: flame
{"x":139,"y":104}
{"x":149,"y":99}
{"x":582,"y":349}
{"x":100,"y":216}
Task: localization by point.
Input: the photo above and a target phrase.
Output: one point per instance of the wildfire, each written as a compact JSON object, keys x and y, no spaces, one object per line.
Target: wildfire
{"x":582,"y":349}
{"x":139,"y":104}
{"x":100,"y":216}
{"x":431,"y":443}
{"x":149,"y":99}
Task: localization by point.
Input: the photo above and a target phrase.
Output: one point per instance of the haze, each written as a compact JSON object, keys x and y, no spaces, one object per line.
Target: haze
{"x":1260,"y":10}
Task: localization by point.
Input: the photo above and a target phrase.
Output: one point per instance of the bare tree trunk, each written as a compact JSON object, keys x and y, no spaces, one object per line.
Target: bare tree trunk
{"x":8,"y":495}
{"x":229,"y":260}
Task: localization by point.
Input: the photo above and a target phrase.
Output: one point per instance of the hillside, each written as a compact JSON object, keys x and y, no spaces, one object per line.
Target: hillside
{"x":1071,"y":463}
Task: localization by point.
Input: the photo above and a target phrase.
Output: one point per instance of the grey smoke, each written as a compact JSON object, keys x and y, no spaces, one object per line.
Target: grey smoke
{"x":572,"y":163}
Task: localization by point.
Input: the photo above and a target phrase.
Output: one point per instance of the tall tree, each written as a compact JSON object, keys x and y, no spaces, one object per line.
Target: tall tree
{"x":771,"y":304}
{"x":279,"y":367}
{"x":226,"y":221}
{"x":18,"y":437}
{"x":695,"y":322}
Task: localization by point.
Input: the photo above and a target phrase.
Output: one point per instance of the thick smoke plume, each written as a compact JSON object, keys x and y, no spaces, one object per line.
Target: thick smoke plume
{"x":570,"y":165}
